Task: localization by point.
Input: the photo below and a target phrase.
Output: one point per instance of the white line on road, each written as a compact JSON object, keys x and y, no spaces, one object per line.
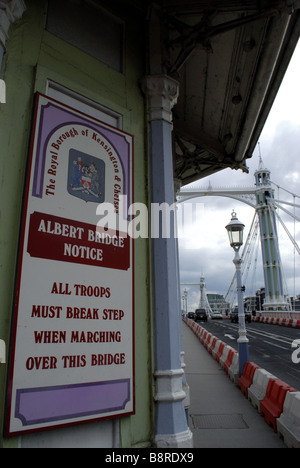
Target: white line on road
{"x":230,"y":336}
{"x":282,"y":339}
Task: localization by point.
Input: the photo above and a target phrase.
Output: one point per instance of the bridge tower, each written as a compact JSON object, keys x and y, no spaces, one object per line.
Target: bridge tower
{"x":274,"y":293}
{"x":203,"y":304}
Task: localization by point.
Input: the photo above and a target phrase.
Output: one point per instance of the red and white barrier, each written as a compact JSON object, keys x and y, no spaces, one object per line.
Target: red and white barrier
{"x":275,"y":400}
{"x":233,"y":370}
{"x":271,"y":406}
{"x":246,"y":379}
{"x":288,"y":424}
{"x":257,"y":391}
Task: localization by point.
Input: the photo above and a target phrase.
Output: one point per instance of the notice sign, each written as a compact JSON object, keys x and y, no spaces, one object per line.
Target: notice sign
{"x":71,"y":357}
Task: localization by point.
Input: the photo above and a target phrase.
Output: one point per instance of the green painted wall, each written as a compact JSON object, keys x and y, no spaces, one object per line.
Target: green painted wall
{"x":33,"y":56}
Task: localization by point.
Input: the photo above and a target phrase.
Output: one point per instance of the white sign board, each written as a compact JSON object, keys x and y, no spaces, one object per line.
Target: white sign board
{"x":71,"y":356}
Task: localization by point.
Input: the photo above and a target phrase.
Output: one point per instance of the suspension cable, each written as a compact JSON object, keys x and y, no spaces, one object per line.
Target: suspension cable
{"x":286,"y":211}
{"x":246,"y":257}
{"x":284,"y":202}
{"x":271,"y":212}
{"x":288,"y":232}
{"x":256,"y":250}
{"x":287,"y":191}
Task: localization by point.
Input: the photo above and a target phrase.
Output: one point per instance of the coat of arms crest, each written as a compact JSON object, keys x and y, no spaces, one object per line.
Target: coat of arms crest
{"x":86,"y":177}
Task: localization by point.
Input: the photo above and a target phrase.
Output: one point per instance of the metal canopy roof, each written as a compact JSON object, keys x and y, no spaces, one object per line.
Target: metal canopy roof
{"x":229,"y":57}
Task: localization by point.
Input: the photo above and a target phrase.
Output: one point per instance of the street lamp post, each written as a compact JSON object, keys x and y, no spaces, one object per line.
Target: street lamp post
{"x":235,"y":233}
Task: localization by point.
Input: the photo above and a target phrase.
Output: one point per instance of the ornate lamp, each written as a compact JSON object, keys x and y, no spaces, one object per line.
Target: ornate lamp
{"x":235,"y":233}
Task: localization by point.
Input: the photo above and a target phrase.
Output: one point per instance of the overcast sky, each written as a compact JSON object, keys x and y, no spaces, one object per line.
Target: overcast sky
{"x":204,"y":246}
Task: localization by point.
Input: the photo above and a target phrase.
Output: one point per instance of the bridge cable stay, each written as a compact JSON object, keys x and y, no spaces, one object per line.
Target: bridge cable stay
{"x":231,"y":293}
{"x":252,"y":288}
{"x":249,"y":248}
{"x":288,"y":233}
{"x":294,"y":256}
{"x":246,"y":257}
{"x":285,"y":288}
{"x":292,"y":238}
{"x":284,"y":202}
{"x":251,"y":251}
{"x":296,"y":248}
{"x":285,"y":190}
{"x":286,"y":211}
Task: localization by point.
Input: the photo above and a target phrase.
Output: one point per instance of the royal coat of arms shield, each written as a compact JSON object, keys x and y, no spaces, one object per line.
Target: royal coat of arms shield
{"x":86,"y":177}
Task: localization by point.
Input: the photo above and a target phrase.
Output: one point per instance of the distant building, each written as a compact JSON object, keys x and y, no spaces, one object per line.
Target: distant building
{"x":218,"y":303}
{"x":251,"y":304}
{"x":260,"y":297}
{"x":295,"y":303}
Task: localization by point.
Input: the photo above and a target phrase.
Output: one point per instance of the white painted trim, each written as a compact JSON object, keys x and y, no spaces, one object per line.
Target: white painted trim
{"x":162,"y":92}
{"x":169,"y":385}
{"x":83,"y":104}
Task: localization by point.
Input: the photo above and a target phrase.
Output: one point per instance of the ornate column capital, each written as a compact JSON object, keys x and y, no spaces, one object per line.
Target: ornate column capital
{"x":162,"y":92}
{"x":10,"y":12}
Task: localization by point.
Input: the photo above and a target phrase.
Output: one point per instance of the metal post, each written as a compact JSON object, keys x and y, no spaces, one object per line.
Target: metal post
{"x":171,"y":428}
{"x":242,"y":340}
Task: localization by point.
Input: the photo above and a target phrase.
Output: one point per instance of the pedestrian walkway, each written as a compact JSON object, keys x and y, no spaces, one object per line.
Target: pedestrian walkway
{"x":219,"y":414}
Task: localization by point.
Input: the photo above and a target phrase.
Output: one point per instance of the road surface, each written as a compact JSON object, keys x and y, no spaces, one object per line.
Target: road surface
{"x":270,"y":346}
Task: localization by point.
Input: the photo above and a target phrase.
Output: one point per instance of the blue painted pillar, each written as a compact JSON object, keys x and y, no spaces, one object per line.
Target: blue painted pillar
{"x":171,"y":429}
